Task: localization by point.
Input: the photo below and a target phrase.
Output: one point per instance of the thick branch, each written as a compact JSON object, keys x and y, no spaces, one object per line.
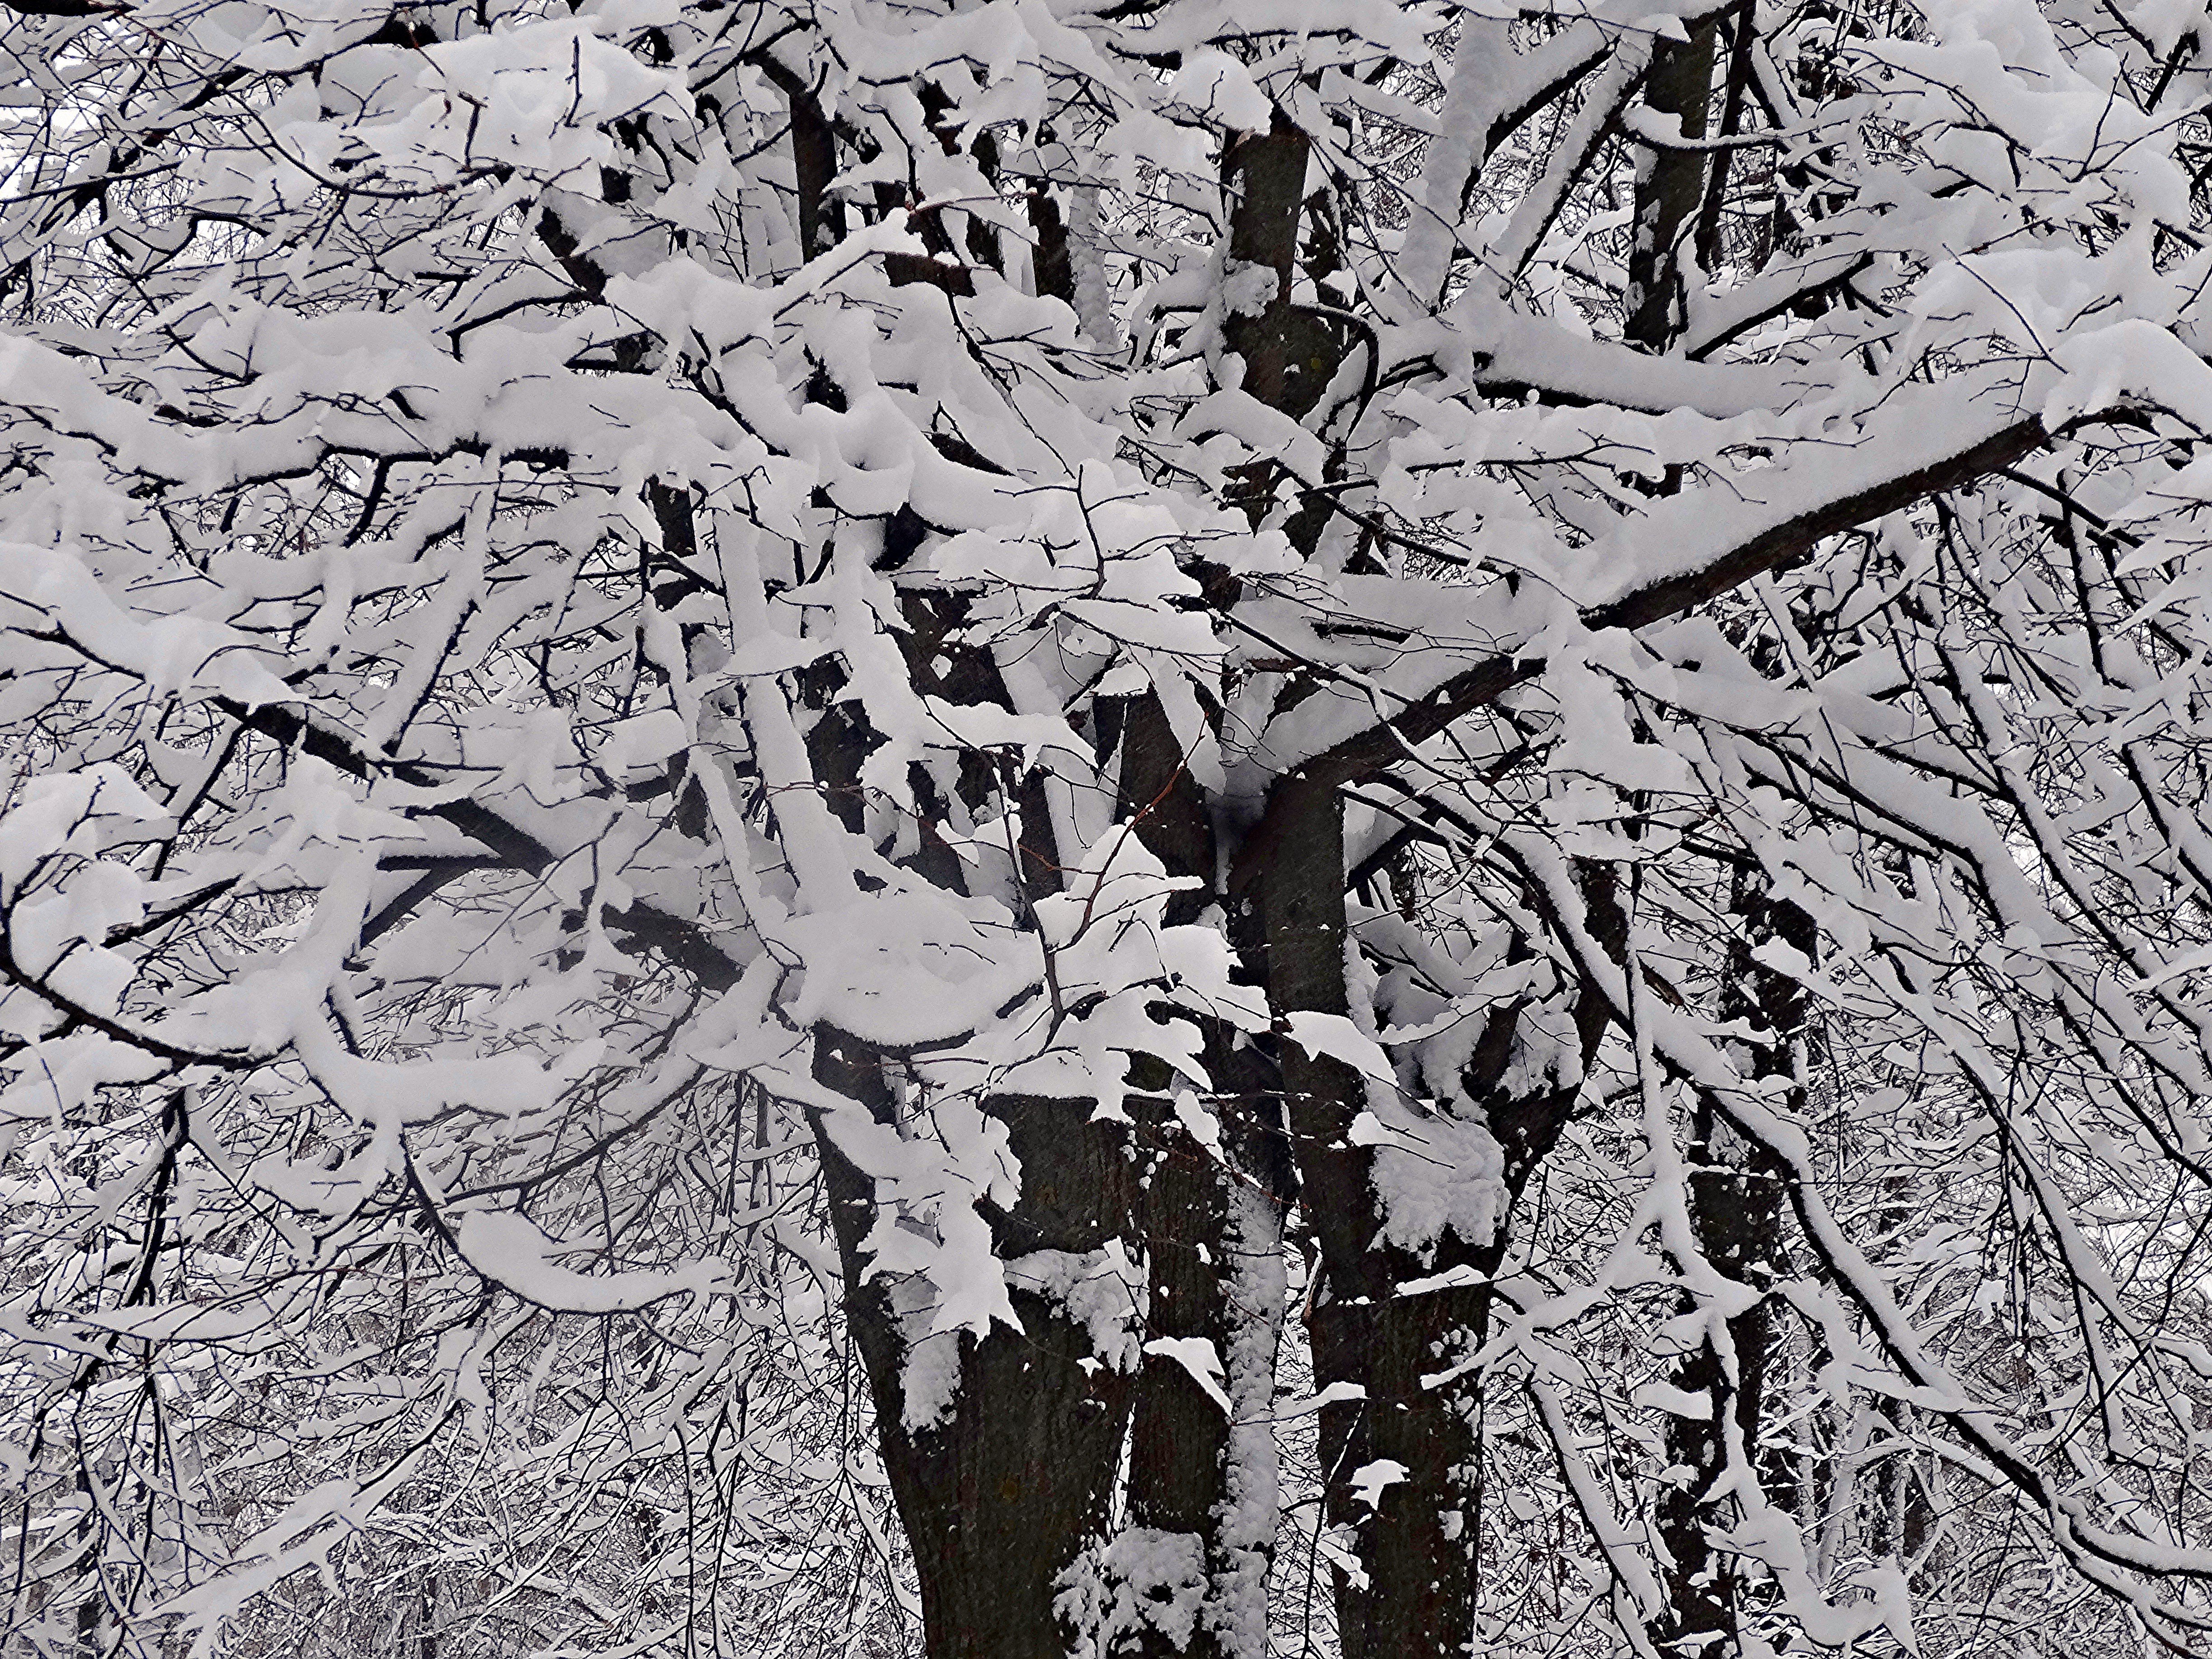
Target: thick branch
{"x":1485,"y":681}
{"x":680,"y":943}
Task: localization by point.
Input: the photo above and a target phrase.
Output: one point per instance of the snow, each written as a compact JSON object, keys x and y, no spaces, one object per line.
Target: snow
{"x":1142,"y":1580}
{"x":1102,"y":1291}
{"x":512,"y":1252}
{"x":1217,"y":84}
{"x":1370,"y":1480}
{"x":1200,"y":1361}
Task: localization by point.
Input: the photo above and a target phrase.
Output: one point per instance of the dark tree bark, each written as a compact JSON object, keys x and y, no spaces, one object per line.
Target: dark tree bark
{"x":1200,"y":1210}
{"x":1417,"y":1544}
{"x":1003,"y":1478}
{"x":1736,"y":1203}
{"x":1670,"y":186}
{"x":1051,"y":263}
{"x":1179,"y":1436}
{"x":1001,"y":1492}
{"x":1289,"y":353}
{"x":820,"y":217}
{"x":1742,"y":34}
{"x":1002,"y":1484}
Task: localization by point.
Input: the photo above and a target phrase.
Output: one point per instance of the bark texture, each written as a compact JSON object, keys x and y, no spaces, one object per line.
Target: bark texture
{"x":1670,"y":186}
{"x":1737,"y":1199}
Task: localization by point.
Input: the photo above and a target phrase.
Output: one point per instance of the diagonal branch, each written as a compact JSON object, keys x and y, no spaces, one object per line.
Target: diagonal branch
{"x":683,"y":945}
{"x":1765,"y":549}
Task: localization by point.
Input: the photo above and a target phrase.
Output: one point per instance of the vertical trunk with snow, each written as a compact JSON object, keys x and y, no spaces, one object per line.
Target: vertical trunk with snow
{"x":1002,"y":1449}
{"x":1736,"y":1197}
{"x":1670,"y":182}
{"x":1202,"y":1478}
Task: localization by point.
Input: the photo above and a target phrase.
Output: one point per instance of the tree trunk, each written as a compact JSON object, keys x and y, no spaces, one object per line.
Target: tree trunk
{"x":1413,"y":1595}
{"x":1212,"y":1228}
{"x":1004,"y":1485}
{"x":1003,"y":1471}
{"x":1735,"y":1215}
{"x":1670,"y":186}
